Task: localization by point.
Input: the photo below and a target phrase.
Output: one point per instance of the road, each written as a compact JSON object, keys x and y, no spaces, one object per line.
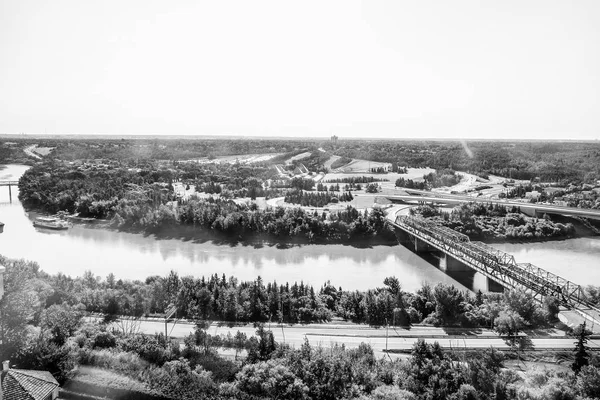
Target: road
{"x":352,"y":335}
{"x":420,"y":195}
{"x":29,"y":151}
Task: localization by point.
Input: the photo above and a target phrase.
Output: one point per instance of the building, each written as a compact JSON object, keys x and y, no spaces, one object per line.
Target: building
{"x":23,"y":384}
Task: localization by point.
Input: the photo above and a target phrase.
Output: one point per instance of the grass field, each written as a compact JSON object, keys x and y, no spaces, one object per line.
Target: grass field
{"x":300,"y":156}
{"x":362,"y":166}
{"x":242,"y":158}
{"x":416,"y":174}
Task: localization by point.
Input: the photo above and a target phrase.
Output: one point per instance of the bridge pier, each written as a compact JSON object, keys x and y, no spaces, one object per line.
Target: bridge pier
{"x":422,"y":247}
{"x":493,"y":286}
{"x":451,"y":264}
{"x":530,"y":211}
{"x":413,"y":243}
{"x":403,"y":237}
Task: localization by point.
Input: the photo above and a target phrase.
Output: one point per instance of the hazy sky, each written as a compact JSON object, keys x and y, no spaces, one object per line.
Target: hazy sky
{"x":462,"y":69}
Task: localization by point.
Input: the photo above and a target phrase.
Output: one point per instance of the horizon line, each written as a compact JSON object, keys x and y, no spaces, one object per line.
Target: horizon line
{"x":242,"y":137}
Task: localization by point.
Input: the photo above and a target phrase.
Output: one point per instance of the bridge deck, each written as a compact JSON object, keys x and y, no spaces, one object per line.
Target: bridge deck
{"x":442,"y":198}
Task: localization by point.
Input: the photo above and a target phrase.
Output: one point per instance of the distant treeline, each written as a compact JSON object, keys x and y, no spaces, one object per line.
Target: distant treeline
{"x":550,"y":161}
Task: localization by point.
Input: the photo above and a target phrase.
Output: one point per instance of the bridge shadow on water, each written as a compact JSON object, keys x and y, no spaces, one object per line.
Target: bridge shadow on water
{"x":466,"y":277}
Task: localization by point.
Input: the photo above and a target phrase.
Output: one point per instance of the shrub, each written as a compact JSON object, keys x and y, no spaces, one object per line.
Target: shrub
{"x":104,"y":340}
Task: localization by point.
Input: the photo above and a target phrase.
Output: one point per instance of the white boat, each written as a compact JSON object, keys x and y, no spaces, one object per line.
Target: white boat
{"x":50,"y":223}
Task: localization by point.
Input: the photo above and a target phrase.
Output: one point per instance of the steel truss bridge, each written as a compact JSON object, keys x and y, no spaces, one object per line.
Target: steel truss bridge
{"x":494,"y":264}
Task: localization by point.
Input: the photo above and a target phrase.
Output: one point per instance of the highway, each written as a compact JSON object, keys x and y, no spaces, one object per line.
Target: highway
{"x":352,"y":335}
{"x":425,"y":196}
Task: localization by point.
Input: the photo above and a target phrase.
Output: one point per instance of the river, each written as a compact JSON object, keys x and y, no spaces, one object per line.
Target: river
{"x":136,"y":256}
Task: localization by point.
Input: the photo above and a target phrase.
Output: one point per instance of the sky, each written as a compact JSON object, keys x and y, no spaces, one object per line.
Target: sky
{"x":510,"y":69}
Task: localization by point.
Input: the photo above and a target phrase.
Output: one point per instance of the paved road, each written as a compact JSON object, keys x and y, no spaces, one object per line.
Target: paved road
{"x":398,"y":339}
{"x":421,"y":195}
{"x":29,"y":151}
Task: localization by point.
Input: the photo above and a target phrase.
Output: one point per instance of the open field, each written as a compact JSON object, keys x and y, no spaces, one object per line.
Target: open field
{"x":242,"y":158}
{"x":416,"y":174}
{"x":362,"y":166}
{"x":331,"y":160}
{"x":300,"y":156}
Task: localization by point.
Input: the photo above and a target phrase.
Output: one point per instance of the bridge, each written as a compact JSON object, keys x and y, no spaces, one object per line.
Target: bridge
{"x":497,"y":266}
{"x":531,"y":209}
{"x":9,"y":184}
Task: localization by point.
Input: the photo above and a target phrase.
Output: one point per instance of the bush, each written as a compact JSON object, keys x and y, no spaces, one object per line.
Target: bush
{"x":104,"y":340}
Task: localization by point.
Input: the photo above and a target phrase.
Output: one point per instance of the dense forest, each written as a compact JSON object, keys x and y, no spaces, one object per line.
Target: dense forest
{"x":42,"y":327}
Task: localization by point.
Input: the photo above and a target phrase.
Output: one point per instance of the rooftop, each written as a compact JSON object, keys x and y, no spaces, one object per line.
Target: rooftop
{"x":23,"y":384}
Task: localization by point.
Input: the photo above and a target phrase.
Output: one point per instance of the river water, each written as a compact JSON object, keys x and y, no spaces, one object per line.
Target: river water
{"x":136,"y":256}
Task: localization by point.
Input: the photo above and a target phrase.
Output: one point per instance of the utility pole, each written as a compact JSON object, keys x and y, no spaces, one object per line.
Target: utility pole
{"x":386,"y":338}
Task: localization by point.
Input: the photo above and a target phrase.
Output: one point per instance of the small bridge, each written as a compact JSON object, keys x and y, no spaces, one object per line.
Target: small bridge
{"x":496,"y":265}
{"x":9,"y":184}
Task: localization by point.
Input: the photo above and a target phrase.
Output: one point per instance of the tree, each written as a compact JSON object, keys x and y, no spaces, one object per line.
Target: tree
{"x":509,"y":323}
{"x":23,"y":298}
{"x":270,"y":380}
{"x":61,"y":322}
{"x":588,"y":382}
{"x":581,"y":348}
{"x":261,"y":349}
{"x":448,"y":304}
{"x":372,"y":188}
{"x":552,"y":307}
{"x":40,"y":352}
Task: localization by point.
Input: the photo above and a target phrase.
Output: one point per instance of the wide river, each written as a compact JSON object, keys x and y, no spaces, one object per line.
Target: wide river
{"x":136,"y":256}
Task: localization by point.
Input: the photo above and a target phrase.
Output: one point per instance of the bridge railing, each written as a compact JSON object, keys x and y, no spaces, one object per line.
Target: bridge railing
{"x":500,"y":265}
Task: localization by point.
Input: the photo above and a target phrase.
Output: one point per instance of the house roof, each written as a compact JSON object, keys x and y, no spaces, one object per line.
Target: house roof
{"x":22,"y":384}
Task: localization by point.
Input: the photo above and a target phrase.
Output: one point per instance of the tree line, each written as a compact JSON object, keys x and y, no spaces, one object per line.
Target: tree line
{"x":318,"y":199}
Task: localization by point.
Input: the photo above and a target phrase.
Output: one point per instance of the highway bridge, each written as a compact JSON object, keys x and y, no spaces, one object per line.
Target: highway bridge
{"x":496,"y":265}
{"x":10,"y":184}
{"x":531,"y":209}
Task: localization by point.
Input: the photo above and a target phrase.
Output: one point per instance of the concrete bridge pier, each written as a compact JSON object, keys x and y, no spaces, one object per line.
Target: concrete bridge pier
{"x":493,"y":286}
{"x":403,"y":237}
{"x":451,"y":264}
{"x":531,"y":212}
{"x":422,"y":247}
{"x":485,"y":284}
{"x":412,"y":242}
